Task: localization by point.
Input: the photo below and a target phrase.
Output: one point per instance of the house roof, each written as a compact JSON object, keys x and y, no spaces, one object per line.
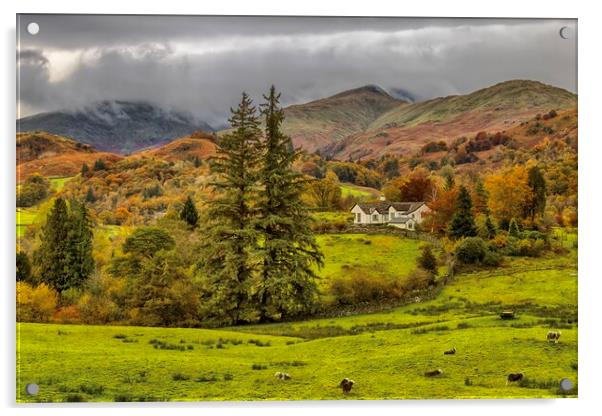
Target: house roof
{"x":383,"y":207}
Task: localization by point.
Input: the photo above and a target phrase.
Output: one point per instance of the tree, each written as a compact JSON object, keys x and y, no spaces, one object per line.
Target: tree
{"x":325,"y":193}
{"x":85,"y":169}
{"x":90,"y":197}
{"x":33,"y":190}
{"x":79,"y":262}
{"x":228,"y":250}
{"x":513,"y":229}
{"x":100,"y":165}
{"x":508,"y":194}
{"x":50,"y":257}
{"x":490,"y":227}
{"x":462,"y":223}
{"x":23,"y":267}
{"x":442,"y":211}
{"x":289,"y":251}
{"x":480,"y":199}
{"x":146,"y":241}
{"x":537,"y":203}
{"x":417,"y":187}
{"x":428,"y":261}
{"x":189,"y":214}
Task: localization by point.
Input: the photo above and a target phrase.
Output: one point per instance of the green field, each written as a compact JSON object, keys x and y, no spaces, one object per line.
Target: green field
{"x":349,"y":189}
{"x":385,"y":353}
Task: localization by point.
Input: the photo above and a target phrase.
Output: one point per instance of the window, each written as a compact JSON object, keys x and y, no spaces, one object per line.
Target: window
{"x":358,"y":217}
{"x":411,"y":225}
{"x":375,"y":217}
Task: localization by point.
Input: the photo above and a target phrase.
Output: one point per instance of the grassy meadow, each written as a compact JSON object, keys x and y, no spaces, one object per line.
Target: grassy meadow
{"x":385,"y":353}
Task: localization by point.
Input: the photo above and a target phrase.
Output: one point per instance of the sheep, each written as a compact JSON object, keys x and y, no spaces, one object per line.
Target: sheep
{"x":450,"y":352}
{"x":434,"y":373}
{"x":554,"y":336}
{"x":282,"y":376}
{"x":512,"y":377}
{"x":346,"y":385}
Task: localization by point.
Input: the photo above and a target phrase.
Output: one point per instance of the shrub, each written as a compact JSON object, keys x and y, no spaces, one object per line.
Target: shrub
{"x":259,"y":367}
{"x":179,"y":377}
{"x":492,"y":259}
{"x":67,"y":315}
{"x":471,"y":250}
{"x":74,"y":398}
{"x":35,"y":304}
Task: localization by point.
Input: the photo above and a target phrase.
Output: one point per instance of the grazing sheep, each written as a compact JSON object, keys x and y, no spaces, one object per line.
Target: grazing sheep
{"x":450,"y":352}
{"x":282,"y":376}
{"x":346,"y":385}
{"x":513,"y":377}
{"x":434,"y":373}
{"x":554,"y":336}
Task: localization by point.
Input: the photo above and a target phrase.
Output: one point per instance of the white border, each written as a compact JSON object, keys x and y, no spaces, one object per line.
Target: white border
{"x":590,"y":189}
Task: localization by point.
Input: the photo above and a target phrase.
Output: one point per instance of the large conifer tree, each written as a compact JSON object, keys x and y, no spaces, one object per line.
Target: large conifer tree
{"x":50,"y":257}
{"x":289,"y":251}
{"x":79,"y":262}
{"x":462,"y":223}
{"x":537,"y":202}
{"x":189,"y":213}
{"x":231,"y":238}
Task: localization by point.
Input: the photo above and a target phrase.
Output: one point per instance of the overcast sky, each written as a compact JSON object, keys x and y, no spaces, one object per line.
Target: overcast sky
{"x":202,"y":64}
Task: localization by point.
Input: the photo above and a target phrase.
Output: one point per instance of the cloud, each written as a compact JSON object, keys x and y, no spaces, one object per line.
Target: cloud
{"x":204,"y":70}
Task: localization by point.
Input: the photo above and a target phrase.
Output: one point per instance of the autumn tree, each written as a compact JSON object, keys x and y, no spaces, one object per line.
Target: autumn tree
{"x":325,"y":193}
{"x":442,"y":211}
{"x":228,"y":251}
{"x":189,"y":214}
{"x":289,"y":252}
{"x":509,"y":193}
{"x":416,"y":187}
{"x":462,"y":223}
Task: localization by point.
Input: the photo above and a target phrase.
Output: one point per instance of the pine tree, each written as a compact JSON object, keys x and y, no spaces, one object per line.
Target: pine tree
{"x":231,"y":238}
{"x":79,"y":262}
{"x":289,"y":251}
{"x":85,"y":169}
{"x":462,"y":223}
{"x":90,"y":197}
{"x":428,"y":261}
{"x":491,"y":229}
{"x":537,"y":183}
{"x":23,"y":267}
{"x":481,"y":199}
{"x":513,"y":229}
{"x":189,"y":213}
{"x":50,"y":257}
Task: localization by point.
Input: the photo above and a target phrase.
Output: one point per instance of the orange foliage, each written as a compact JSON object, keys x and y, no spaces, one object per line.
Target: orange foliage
{"x":509,"y":193}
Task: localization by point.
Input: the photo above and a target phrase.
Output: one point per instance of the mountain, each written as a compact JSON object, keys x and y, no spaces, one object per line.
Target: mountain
{"x":52,"y":155}
{"x":406,"y":128}
{"x":116,"y":126}
{"x":199,"y":145}
{"x":319,"y":123}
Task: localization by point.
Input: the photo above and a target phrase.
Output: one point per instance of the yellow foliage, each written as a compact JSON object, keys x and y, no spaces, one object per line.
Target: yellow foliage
{"x":35,"y":304}
{"x":509,"y":192}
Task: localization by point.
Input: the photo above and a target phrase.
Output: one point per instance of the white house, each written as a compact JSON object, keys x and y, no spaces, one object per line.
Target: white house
{"x":403,"y":215}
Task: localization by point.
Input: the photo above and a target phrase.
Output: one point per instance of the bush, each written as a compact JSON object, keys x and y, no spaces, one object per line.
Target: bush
{"x":471,"y":250}
{"x":35,"y":304}
{"x":492,"y":259}
{"x":35,"y":189}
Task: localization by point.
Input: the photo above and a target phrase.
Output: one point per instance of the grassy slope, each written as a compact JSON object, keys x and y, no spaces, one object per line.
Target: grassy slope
{"x":350,"y":189}
{"x":384,"y":363}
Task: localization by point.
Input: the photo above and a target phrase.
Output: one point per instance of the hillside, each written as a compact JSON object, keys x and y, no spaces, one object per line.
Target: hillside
{"x":116,"y":126}
{"x":404,"y":129}
{"x":318,"y":123}
{"x":52,"y":155}
{"x":199,"y":145}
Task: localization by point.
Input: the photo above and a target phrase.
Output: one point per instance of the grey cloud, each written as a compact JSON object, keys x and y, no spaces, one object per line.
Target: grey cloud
{"x":424,"y":58}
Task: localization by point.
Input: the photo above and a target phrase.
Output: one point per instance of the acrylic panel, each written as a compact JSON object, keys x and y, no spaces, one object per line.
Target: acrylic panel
{"x":231,"y":208}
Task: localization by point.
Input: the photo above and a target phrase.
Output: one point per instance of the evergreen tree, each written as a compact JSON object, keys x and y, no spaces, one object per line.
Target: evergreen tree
{"x":481,"y":199}
{"x":50,"y":257}
{"x":189,"y":213}
{"x":23,"y":267}
{"x":462,"y":223}
{"x":85,"y":169}
{"x":428,"y":261}
{"x":513,"y":229}
{"x":90,"y":197}
{"x":491,"y":229}
{"x":449,"y":183}
{"x":537,"y":183}
{"x":100,"y":165}
{"x":231,"y":238}
{"x":197,"y":162}
{"x":79,"y":262}
{"x":289,"y":251}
